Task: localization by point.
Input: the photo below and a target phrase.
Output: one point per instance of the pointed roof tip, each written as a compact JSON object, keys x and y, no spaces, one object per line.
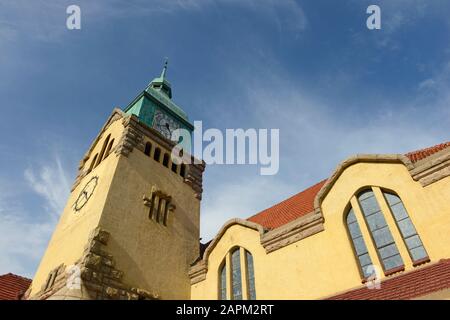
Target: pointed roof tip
{"x":164,"y":70}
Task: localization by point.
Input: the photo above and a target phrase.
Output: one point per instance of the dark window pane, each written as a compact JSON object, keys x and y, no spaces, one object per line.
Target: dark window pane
{"x":369,"y":206}
{"x":418,"y":253}
{"x":354,"y":230}
{"x":406,"y":227}
{"x":399,"y":212}
{"x":364,"y":260}
{"x":236,"y":275}
{"x":376,"y":221}
{"x":413,"y":242}
{"x":351,"y":217}
{"x":365,"y":194}
{"x":391,"y":199}
{"x":251,"y":277}
{"x":223,"y":283}
{"x":382,"y":237}
{"x":388,"y":251}
{"x":360,"y":246}
{"x":393,"y":262}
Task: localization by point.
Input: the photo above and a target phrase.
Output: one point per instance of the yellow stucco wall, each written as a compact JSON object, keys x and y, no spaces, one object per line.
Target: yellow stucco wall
{"x":71,"y":234}
{"x":324,"y":264}
{"x":152,"y":256}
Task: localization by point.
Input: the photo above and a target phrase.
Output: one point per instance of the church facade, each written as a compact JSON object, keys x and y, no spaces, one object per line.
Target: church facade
{"x":378,"y":228}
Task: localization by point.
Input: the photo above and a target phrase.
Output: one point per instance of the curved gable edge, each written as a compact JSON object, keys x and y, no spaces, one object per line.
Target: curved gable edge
{"x":199,"y":269}
{"x":359,"y":158}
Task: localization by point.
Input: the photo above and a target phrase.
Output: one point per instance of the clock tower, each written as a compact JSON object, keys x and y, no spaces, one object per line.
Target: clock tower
{"x":130,"y":228}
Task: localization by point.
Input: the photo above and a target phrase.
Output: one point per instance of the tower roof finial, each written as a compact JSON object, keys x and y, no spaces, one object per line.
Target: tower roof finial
{"x":164,"y":71}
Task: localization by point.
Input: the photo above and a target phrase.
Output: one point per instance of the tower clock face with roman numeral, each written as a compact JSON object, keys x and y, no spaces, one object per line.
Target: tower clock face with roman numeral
{"x":164,"y":124}
{"x":85,"y":194}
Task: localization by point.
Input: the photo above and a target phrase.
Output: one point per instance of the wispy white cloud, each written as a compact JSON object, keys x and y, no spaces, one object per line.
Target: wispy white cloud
{"x":240,"y":197}
{"x":22,"y":242}
{"x":51,"y":182}
{"x":24,"y":235}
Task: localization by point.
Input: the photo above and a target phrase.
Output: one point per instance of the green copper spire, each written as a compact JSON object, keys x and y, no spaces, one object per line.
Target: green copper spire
{"x":163,"y":73}
{"x":158,"y":96}
{"x":161,"y":84}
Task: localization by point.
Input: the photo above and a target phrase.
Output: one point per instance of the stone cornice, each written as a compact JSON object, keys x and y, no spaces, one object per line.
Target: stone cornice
{"x":293,"y":231}
{"x":432,"y":168}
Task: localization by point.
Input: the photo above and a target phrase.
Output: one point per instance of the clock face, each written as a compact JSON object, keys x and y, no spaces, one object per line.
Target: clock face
{"x":85,"y":194}
{"x":164,"y":124}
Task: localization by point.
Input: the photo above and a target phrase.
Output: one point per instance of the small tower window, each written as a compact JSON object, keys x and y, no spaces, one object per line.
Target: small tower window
{"x":108,"y":150}
{"x":166,"y":160}
{"x":93,"y":162}
{"x":148,"y":148}
{"x":183,"y":170}
{"x":160,"y":205}
{"x":105,"y":143}
{"x":157,"y":154}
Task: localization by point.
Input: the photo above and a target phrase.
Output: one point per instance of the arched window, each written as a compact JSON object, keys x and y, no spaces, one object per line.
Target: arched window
{"x":108,"y":150}
{"x":148,"y":148}
{"x":166,"y":160}
{"x":409,"y":234}
{"x":242,"y":275}
{"x":359,"y":245}
{"x":380,"y":232}
{"x":105,"y":143}
{"x":174,"y":167}
{"x":157,"y":154}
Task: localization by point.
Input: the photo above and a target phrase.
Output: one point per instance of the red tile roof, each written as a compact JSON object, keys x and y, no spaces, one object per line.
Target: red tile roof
{"x":289,"y":209}
{"x":414,"y":284}
{"x":423,"y":153}
{"x":12,"y":286}
{"x":303,"y":202}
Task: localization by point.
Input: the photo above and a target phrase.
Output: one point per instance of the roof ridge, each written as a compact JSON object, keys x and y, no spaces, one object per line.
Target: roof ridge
{"x":10,"y":274}
{"x":443,"y":144}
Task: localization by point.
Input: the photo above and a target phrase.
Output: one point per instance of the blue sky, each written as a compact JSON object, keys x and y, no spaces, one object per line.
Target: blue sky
{"x":310,"y":68}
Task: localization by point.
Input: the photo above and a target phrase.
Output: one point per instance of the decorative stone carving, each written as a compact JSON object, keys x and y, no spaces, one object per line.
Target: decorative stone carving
{"x":99,"y":277}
